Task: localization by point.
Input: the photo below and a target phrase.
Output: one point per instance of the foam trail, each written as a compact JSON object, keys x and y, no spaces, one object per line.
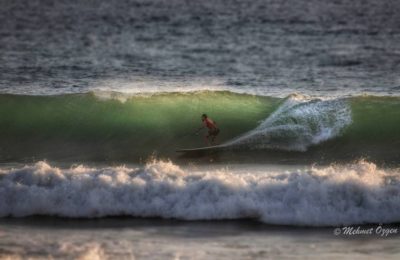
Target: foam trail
{"x":353,"y":194}
{"x":297,"y":124}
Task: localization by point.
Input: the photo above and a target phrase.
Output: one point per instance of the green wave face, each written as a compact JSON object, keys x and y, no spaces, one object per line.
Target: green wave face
{"x":87,"y":126}
{"x":122,"y":128}
{"x":375,"y":131}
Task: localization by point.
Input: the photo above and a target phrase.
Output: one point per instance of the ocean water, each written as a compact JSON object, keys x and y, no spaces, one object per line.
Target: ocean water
{"x":268,"y":47}
{"x":97,"y":96}
{"x":125,"y":238}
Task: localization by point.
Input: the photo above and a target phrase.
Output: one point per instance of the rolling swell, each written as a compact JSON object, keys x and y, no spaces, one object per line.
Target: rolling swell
{"x":113,"y":126}
{"x":118,"y":127}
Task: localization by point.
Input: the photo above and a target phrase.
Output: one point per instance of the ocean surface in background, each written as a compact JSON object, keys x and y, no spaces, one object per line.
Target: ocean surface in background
{"x":96,"y":97}
{"x":263,"y":47}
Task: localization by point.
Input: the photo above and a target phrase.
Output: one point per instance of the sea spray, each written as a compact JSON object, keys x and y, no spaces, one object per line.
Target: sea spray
{"x":297,"y":124}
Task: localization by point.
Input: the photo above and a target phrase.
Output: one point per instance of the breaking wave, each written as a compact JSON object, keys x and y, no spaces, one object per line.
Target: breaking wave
{"x":320,"y":196}
{"x":112,"y":126}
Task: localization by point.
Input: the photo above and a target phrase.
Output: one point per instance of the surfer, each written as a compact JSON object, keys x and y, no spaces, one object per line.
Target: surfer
{"x":213,"y":130}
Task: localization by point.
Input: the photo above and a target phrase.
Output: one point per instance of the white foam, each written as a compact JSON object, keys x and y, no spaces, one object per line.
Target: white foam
{"x":148,"y":86}
{"x":353,"y":194}
{"x":297,"y":124}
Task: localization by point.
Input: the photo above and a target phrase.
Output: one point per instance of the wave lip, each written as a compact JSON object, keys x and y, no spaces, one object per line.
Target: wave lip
{"x":335,"y":195}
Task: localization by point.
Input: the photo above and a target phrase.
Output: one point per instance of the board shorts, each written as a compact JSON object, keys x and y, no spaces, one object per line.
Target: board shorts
{"x":213,"y":132}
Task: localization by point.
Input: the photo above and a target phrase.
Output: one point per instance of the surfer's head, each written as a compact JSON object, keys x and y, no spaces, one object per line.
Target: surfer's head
{"x":203,"y":116}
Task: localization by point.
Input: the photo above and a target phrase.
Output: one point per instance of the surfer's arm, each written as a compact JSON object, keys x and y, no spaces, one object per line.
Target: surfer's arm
{"x":200,"y":128}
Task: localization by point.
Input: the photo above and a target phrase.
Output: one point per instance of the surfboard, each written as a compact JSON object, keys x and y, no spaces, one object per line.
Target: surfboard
{"x":200,"y":149}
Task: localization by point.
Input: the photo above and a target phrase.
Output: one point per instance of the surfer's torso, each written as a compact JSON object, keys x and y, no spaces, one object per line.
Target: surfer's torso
{"x":211,"y":125}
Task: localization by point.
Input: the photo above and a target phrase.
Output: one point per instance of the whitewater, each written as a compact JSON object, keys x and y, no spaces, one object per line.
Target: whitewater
{"x":357,"y":193}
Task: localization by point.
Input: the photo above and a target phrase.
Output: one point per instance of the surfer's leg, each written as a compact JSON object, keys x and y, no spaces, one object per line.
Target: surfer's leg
{"x":213,"y":139}
{"x":214,"y":135}
{"x":206,"y":139}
